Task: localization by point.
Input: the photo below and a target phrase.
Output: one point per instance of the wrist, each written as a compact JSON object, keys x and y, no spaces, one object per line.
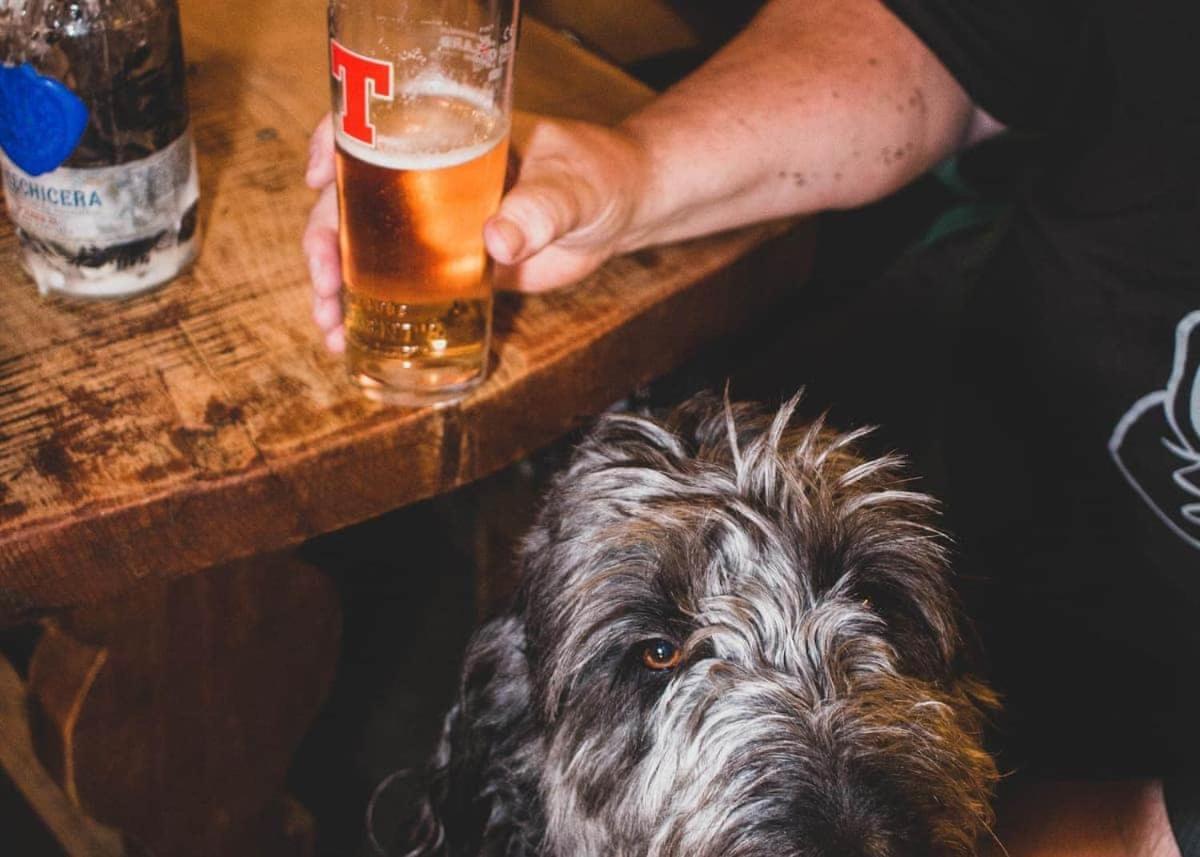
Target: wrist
{"x":648,"y":198}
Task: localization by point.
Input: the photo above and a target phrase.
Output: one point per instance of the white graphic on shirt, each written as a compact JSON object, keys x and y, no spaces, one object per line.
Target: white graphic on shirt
{"x":1157,"y":443}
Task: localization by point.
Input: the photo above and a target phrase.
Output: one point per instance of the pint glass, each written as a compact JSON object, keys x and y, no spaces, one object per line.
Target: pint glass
{"x":422,"y":94}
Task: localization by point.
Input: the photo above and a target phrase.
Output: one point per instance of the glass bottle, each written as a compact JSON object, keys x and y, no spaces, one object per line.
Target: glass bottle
{"x":118,"y":214}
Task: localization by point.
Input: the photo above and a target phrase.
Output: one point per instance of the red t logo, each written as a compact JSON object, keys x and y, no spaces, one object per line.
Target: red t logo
{"x":362,"y":79}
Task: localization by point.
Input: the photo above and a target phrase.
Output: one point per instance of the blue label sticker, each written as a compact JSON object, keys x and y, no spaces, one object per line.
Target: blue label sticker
{"x":41,"y":121}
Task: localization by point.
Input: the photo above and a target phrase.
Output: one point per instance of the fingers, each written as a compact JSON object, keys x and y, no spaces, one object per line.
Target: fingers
{"x":321,"y":250}
{"x":574,"y":198}
{"x":535,"y":214}
{"x":321,"y":239}
{"x":321,"y":245}
{"x":552,"y":268}
{"x":553,"y":227}
{"x":320,"y":171}
{"x":335,"y":340}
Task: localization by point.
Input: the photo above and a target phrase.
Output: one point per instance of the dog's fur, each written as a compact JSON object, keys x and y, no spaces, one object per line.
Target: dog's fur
{"x":822,"y":707}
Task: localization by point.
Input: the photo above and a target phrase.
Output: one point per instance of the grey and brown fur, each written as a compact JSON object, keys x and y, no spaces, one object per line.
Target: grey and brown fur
{"x":821,"y":709}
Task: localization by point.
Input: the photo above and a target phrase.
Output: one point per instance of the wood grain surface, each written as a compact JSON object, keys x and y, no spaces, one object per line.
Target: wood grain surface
{"x":172,"y":712}
{"x":205,"y":422}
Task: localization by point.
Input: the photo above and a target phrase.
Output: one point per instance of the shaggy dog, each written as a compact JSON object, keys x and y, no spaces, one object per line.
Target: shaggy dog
{"x":734,"y":638}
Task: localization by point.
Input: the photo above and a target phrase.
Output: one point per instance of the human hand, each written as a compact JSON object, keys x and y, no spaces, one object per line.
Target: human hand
{"x":571,"y":208}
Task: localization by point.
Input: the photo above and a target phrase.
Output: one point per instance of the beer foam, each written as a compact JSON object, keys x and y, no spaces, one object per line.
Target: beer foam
{"x":406,"y":160}
{"x":436,"y":85}
{"x":465,"y":134}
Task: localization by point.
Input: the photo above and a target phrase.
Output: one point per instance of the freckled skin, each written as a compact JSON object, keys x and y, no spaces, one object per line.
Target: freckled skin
{"x":806,"y":82}
{"x":768,"y":93}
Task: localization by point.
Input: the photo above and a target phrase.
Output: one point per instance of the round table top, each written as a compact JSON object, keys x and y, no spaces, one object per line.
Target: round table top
{"x":205,"y":422}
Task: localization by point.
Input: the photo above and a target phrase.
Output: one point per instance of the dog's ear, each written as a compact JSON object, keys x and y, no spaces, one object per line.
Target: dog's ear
{"x":483,"y":788}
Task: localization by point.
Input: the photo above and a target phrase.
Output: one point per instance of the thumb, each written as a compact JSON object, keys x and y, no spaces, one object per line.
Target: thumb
{"x":533,"y":215}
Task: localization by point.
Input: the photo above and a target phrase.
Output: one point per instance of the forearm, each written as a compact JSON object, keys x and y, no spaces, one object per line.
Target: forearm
{"x":819,"y":104}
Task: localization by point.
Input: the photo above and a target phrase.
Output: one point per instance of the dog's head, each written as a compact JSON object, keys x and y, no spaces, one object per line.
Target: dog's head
{"x":734,"y":638}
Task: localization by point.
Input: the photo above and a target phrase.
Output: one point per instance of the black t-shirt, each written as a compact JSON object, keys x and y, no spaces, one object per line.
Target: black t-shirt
{"x":1074,"y":441}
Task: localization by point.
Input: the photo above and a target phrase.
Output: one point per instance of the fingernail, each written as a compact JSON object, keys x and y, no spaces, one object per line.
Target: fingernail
{"x":325,"y":312}
{"x":511,"y":238}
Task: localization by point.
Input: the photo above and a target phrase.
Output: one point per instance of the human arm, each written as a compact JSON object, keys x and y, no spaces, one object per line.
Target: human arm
{"x":817,"y":104}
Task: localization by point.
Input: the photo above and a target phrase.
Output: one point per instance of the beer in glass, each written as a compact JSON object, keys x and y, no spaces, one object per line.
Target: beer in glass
{"x":422,"y":108}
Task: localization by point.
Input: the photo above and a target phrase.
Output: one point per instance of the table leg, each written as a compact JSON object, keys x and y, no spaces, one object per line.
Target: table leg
{"x":499,"y":511}
{"x":172,"y":713}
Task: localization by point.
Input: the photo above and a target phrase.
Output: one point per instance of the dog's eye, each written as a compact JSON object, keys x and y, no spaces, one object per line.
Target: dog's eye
{"x":661,"y":655}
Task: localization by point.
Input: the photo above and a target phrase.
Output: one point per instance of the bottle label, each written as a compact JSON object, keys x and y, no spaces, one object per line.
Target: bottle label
{"x":102,"y":206}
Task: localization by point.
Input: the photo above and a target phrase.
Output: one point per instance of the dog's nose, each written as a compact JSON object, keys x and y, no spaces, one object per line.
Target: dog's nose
{"x":859,"y":843}
{"x":857,"y":822}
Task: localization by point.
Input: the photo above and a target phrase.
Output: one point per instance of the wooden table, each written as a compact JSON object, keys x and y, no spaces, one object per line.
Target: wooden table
{"x":204,"y":424}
